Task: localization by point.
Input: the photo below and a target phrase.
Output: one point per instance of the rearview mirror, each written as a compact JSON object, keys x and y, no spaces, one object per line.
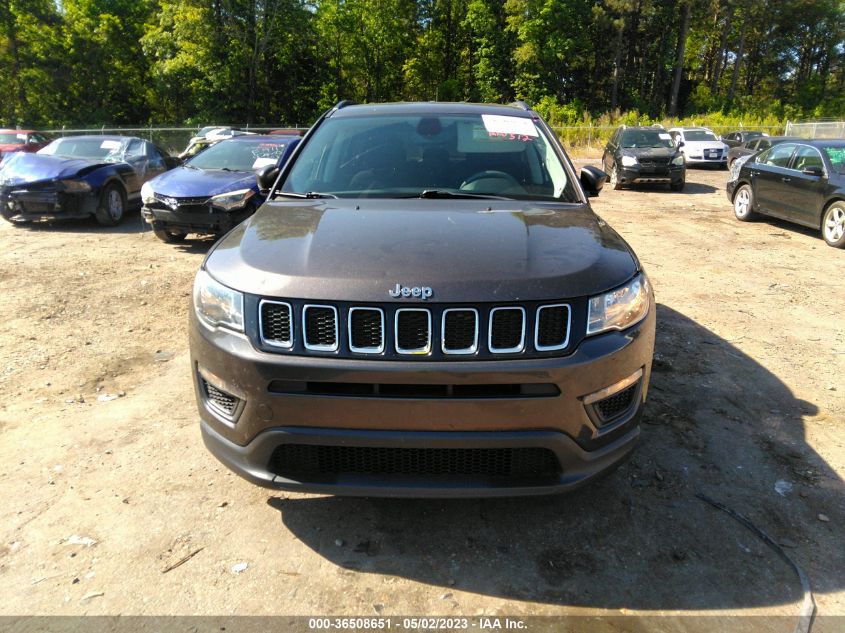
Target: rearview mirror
{"x":266,"y":176}
{"x":592,"y":179}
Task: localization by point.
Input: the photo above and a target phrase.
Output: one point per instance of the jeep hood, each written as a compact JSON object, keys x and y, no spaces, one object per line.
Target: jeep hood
{"x":186,"y":182}
{"x":23,"y":167}
{"x":478,"y":250}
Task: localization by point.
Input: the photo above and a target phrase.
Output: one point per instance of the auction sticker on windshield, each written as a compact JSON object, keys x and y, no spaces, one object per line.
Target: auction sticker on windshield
{"x":498,"y":124}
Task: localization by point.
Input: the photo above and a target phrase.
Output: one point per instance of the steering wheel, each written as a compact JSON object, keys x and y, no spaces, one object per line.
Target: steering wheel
{"x":509,"y":181}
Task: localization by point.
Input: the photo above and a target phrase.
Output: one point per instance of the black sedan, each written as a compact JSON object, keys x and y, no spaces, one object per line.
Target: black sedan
{"x":755,"y":145}
{"x":79,"y":177}
{"x":802,"y":182}
{"x":734,"y":139}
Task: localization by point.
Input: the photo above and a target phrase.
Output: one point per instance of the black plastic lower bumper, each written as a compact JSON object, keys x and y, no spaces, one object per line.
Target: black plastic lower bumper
{"x":47,"y":205}
{"x":577,"y":466}
{"x":667,"y":175}
{"x":209,"y":221}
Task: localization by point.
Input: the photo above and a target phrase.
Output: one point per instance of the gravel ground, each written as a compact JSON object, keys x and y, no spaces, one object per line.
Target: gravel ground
{"x":107,"y":486}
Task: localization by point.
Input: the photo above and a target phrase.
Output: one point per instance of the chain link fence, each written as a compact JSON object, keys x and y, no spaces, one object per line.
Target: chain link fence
{"x":816,"y":129}
{"x":174,"y":139}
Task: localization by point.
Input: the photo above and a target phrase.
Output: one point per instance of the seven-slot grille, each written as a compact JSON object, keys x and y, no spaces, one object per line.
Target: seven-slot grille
{"x":276,"y":323}
{"x":366,"y":330}
{"x":460,"y":331}
{"x":320,"y":327}
{"x":413,"y":331}
{"x":507,"y":330}
{"x":552,"y":327}
{"x":435,"y":331}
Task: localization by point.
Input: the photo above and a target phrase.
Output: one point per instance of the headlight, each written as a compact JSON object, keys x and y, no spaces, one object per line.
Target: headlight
{"x":217,"y":304}
{"x":628,"y":161}
{"x":678,"y":160}
{"x":147,"y":194}
{"x":737,"y":165}
{"x":620,"y":308}
{"x":75,"y":186}
{"x":232,"y":200}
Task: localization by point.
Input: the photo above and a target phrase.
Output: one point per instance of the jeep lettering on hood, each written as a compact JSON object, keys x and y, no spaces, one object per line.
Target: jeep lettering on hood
{"x":422,"y":292}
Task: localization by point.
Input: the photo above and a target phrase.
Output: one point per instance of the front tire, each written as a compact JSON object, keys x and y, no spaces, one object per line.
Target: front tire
{"x":171,"y":236}
{"x":833,"y":225}
{"x":614,"y":178}
{"x":112,"y":206}
{"x":744,"y":204}
{"x":678,"y":185}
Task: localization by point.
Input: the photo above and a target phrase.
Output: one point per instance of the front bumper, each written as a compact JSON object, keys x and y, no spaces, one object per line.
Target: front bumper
{"x":208,"y":220}
{"x":700,"y":159}
{"x":266,"y":418}
{"x":730,"y":189}
{"x":27,"y":205}
{"x":638,"y":174}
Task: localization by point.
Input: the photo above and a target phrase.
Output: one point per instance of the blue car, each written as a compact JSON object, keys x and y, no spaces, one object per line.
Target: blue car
{"x":214,"y":190}
{"x":79,"y":177}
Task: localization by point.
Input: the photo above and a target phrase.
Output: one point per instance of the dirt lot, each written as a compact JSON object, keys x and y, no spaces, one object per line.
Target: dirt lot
{"x":102,"y":494}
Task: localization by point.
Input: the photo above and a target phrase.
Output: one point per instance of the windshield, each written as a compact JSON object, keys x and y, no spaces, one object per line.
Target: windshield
{"x":404,"y":156}
{"x":96,"y":148}
{"x":836,"y":155}
{"x":699,"y":135}
{"x":753,"y":134}
{"x":646,"y":138}
{"x":12,"y":139}
{"x":239,"y":155}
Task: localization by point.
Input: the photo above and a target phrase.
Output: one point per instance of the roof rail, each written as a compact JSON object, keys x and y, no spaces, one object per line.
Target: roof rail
{"x":339,"y":106}
{"x":521,"y":105}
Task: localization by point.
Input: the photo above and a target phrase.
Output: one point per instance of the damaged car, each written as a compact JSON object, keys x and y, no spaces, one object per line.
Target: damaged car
{"x":79,"y":177}
{"x":215,"y":190}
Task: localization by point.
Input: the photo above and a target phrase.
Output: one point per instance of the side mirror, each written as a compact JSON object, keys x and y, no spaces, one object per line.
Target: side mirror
{"x":680,"y":144}
{"x":592,"y":179}
{"x":172,"y":161}
{"x":266,"y":176}
{"x":813,"y":170}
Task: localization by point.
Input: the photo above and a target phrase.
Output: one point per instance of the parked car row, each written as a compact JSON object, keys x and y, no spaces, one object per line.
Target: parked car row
{"x":103,"y":176}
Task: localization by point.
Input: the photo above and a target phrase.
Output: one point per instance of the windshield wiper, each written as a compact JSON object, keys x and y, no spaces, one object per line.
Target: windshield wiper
{"x":441,"y":193}
{"x":307,"y":194}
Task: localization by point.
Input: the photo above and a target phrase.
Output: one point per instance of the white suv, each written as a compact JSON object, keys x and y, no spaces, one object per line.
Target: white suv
{"x":700,"y":146}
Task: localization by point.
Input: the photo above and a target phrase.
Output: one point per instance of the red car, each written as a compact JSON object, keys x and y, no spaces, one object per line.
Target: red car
{"x":21,"y":141}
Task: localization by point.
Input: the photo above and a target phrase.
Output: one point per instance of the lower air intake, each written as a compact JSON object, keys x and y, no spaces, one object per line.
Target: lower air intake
{"x":617,"y":404}
{"x":298,"y":460}
{"x":219,"y":400}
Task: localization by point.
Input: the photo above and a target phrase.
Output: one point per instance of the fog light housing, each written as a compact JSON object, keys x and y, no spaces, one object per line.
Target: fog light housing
{"x":218,"y":399}
{"x":614,"y":402}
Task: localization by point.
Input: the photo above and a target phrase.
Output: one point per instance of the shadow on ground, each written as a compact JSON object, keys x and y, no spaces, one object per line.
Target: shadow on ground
{"x":717,"y":422}
{"x":132,"y":223}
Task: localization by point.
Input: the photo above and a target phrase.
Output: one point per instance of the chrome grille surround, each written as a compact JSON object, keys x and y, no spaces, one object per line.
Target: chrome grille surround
{"x":467,"y":350}
{"x":419,"y":350}
{"x":365,"y":350}
{"x":433,"y":332}
{"x":318,"y":347}
{"x":550,"y":348}
{"x":505,"y":350}
{"x":275,"y":342}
